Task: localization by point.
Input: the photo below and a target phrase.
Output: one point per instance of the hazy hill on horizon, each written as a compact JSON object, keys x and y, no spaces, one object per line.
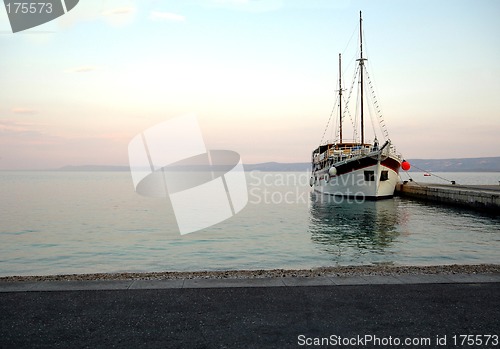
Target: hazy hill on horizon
{"x":483,"y":164}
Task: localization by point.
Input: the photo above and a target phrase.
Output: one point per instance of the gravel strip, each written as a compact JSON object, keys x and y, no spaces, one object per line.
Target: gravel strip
{"x":273,"y":273}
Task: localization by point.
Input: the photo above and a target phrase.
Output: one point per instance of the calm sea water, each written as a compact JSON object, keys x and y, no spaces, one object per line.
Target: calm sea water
{"x":86,"y":222}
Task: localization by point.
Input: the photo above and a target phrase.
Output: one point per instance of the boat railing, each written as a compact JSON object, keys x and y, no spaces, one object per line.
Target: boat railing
{"x":343,"y":154}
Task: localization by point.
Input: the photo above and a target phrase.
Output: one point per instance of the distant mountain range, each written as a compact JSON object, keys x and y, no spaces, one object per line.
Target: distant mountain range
{"x":487,"y":164}
{"x":102,"y":168}
{"x":490,"y":164}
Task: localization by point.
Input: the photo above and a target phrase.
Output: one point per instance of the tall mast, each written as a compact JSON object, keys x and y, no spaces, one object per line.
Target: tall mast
{"x":361,"y":68}
{"x":340,"y":95}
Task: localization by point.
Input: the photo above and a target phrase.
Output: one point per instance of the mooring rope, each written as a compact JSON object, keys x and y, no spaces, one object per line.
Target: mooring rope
{"x":433,"y":174}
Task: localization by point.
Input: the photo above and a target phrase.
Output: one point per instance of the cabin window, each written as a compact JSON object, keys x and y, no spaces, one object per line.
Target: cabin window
{"x":369,"y":176}
{"x":384,"y":175}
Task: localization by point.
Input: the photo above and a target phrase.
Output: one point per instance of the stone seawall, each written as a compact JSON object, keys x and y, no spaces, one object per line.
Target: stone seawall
{"x":482,"y":197}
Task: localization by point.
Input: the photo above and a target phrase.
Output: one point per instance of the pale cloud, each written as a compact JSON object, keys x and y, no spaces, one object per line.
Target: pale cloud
{"x":248,"y":5}
{"x":230,"y":2}
{"x":8,"y":126}
{"x":167,"y":16}
{"x":119,"y":16}
{"x":115,"y":13}
{"x":119,"y":11}
{"x":18,"y":128}
{"x":21,"y":110}
{"x":83,"y":69}
{"x":115,"y":137}
{"x":272,"y":5}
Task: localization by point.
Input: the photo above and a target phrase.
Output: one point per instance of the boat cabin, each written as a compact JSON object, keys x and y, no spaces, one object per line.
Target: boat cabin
{"x":329,"y":154}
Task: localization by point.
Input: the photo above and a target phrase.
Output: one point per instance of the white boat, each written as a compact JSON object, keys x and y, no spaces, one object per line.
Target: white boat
{"x":357,"y":168}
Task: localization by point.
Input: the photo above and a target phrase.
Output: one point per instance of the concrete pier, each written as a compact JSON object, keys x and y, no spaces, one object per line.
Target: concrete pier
{"x":482,"y":197}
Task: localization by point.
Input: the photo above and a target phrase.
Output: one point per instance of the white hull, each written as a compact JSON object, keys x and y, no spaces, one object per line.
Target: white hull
{"x":355,"y":183}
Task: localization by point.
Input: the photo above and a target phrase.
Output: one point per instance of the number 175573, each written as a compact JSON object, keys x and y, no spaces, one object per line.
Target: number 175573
{"x":29,"y":7}
{"x":476,"y":339}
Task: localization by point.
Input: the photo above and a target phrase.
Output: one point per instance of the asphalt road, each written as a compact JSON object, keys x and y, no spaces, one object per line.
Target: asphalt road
{"x":253,"y":317}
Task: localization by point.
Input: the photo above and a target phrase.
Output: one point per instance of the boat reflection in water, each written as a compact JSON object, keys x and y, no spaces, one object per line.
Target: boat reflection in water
{"x":354,"y":231}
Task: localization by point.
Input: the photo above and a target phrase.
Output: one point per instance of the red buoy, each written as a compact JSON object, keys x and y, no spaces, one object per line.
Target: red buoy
{"x":405,"y":165}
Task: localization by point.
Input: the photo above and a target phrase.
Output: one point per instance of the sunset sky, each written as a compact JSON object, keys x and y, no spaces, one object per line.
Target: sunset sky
{"x":259,"y":74}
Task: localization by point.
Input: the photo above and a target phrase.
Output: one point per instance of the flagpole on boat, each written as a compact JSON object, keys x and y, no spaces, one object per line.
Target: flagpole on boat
{"x":361,"y":64}
{"x":340,"y":95}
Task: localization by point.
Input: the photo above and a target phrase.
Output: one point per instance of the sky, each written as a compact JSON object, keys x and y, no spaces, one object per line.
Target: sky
{"x":260,"y":75}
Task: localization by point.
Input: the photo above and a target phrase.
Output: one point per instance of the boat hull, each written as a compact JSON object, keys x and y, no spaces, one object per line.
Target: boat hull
{"x":365,"y":179}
